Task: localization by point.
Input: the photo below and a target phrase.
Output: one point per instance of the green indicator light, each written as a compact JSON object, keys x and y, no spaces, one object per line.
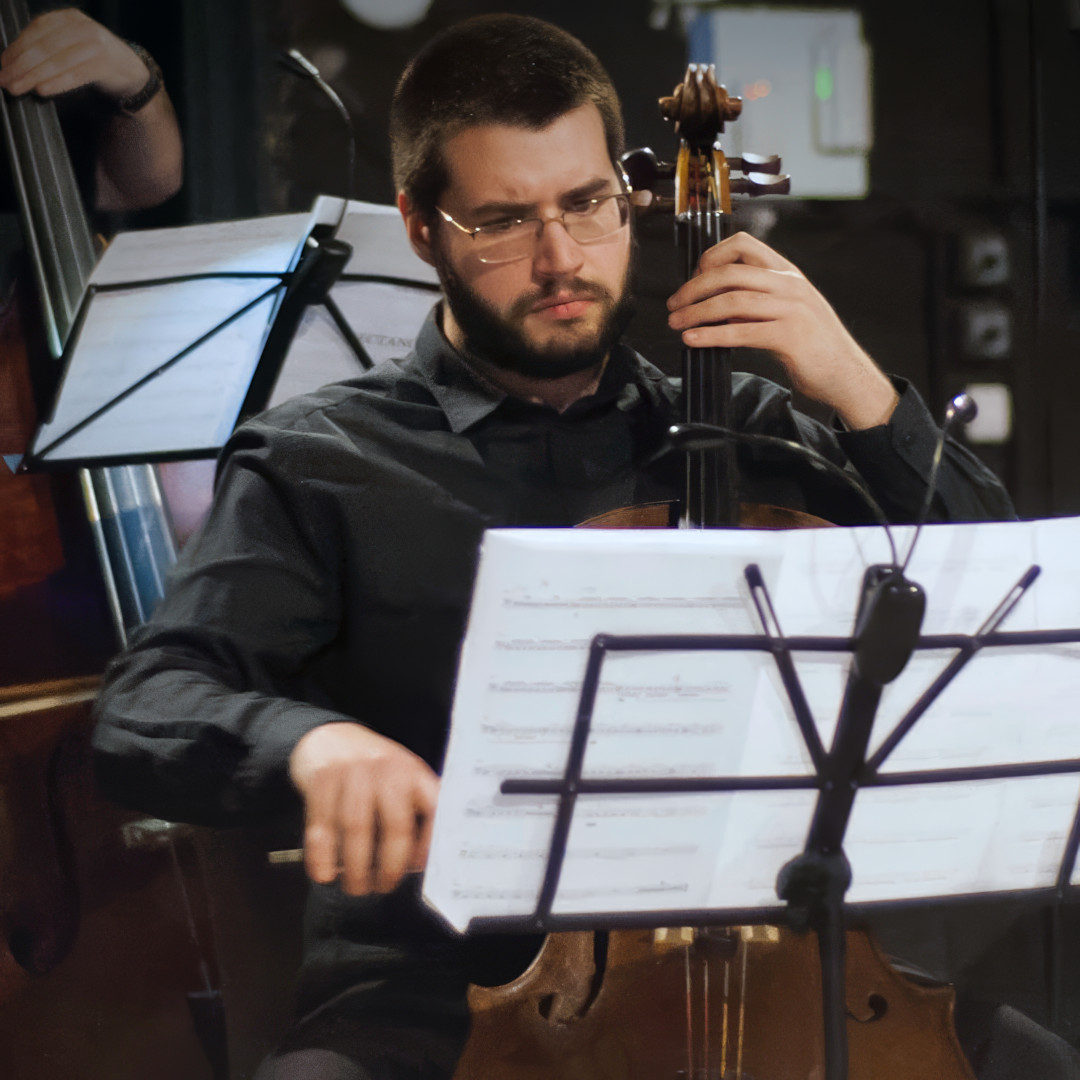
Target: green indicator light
{"x":823,"y":83}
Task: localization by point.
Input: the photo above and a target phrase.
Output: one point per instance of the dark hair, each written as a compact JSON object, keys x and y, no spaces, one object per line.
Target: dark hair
{"x":491,"y":69}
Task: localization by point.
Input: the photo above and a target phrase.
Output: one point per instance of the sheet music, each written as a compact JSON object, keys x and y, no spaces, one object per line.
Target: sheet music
{"x":269,"y":244}
{"x":377,"y":235}
{"x":130,"y":333}
{"x":540,"y":597}
{"x":384,"y":317}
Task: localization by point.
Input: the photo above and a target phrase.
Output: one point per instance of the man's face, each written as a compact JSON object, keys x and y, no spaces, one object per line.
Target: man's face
{"x":561,"y":309}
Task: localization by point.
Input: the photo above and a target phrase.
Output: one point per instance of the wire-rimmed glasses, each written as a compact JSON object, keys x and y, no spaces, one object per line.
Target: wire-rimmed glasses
{"x":586,"y":222}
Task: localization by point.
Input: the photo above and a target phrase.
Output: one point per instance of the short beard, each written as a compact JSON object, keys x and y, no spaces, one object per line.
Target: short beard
{"x":496,"y":339}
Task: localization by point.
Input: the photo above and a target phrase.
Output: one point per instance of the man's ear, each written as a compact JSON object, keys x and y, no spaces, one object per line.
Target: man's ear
{"x":417,"y":228}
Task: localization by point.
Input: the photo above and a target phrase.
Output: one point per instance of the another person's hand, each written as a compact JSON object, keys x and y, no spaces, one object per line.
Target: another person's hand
{"x":744,"y":294}
{"x":138,"y":151}
{"x":369,"y":807}
{"x":63,"y":50}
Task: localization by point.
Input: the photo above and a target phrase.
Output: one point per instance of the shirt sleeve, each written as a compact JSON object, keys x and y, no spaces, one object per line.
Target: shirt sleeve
{"x":895,"y":460}
{"x":198,"y":716}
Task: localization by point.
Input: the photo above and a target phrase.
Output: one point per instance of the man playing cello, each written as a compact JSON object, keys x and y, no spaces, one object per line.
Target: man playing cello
{"x":306,"y":649}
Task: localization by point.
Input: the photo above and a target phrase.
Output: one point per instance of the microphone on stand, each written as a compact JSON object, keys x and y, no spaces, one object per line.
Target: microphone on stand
{"x":891,"y":608}
{"x":960,"y":410}
{"x":300,"y":65}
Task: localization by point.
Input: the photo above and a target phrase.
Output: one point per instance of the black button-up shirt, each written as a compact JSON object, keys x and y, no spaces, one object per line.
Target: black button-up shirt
{"x":333,"y":576}
{"x":332,"y":580}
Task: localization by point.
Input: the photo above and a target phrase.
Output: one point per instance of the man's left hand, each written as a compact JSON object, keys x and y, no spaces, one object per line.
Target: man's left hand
{"x":744,"y":294}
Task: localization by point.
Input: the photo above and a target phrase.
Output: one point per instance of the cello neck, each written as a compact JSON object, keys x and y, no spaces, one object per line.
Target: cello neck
{"x":711,"y":495}
{"x":699,"y":108}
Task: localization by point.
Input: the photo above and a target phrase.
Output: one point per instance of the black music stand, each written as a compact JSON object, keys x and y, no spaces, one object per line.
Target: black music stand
{"x":381,"y":282}
{"x":814,"y":884}
{"x":319,"y":262}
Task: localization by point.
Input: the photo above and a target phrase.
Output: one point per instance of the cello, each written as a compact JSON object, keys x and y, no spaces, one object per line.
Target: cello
{"x":713,"y":1002}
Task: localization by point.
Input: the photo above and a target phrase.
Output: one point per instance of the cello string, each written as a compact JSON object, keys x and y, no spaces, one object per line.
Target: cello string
{"x":691,"y":357}
{"x":704,"y":357}
{"x":700,"y":355}
{"x":717,"y":512}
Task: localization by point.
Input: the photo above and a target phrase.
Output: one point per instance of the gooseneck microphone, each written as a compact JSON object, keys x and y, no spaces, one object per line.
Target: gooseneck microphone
{"x":690,"y":437}
{"x":300,"y":65}
{"x":960,"y":410}
{"x":891,"y":608}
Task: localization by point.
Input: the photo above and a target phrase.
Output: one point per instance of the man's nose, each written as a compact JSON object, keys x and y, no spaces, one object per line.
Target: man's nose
{"x":558,"y":254}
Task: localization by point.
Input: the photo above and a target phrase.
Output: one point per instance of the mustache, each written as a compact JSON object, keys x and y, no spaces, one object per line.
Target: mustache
{"x":577,"y":288}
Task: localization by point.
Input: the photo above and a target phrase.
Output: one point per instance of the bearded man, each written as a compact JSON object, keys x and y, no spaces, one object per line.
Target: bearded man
{"x":306,"y":649}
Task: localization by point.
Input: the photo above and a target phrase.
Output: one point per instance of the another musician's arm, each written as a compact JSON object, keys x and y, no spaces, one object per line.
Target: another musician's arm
{"x":140,"y":157}
{"x":138,"y":149}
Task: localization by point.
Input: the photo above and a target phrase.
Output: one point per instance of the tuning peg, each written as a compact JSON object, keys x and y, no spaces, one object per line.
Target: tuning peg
{"x":758,"y":163}
{"x":642,"y":169}
{"x":756,"y":183}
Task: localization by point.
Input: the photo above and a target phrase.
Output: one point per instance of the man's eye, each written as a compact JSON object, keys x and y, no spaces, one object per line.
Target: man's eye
{"x":584,"y":207}
{"x":504,"y":226}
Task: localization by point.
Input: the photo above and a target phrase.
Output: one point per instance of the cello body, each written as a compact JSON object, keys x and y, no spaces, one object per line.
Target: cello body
{"x":740,"y":1003}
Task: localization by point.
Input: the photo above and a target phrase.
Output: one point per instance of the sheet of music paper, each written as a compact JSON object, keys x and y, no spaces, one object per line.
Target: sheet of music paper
{"x":130,"y":333}
{"x":540,"y":597}
{"x":384,"y":315}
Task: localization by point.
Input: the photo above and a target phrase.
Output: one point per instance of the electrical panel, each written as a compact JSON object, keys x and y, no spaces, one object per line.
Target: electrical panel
{"x":804,"y":77}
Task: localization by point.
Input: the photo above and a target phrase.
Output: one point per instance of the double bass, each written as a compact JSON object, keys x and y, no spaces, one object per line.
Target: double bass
{"x":95,"y":970}
{"x":712,"y":1002}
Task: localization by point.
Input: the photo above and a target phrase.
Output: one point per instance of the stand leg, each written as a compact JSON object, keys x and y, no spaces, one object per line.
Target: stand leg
{"x":832,"y":945}
{"x":814,"y":885}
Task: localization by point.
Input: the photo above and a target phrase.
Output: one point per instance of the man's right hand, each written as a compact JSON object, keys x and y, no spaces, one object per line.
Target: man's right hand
{"x":369,"y":807}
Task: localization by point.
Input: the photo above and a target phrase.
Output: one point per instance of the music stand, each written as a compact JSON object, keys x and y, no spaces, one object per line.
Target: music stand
{"x":814,"y":884}
{"x":173,"y":361}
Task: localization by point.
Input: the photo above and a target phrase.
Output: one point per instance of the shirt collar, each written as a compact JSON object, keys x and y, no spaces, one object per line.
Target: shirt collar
{"x":463,"y":396}
{"x":466,"y":398}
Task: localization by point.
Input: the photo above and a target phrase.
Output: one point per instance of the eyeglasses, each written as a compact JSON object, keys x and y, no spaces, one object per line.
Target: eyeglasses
{"x":586,"y":222}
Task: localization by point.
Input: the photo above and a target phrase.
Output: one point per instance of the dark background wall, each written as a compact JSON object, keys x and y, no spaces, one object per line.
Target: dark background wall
{"x":975,"y":134}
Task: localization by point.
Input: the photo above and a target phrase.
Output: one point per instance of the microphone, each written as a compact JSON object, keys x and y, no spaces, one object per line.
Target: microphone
{"x":960,"y":410}
{"x":690,"y":437}
{"x":891,"y":607}
{"x":300,"y":65}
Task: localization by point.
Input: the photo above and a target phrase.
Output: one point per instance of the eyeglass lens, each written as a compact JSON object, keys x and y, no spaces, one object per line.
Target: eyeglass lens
{"x":603,"y":219}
